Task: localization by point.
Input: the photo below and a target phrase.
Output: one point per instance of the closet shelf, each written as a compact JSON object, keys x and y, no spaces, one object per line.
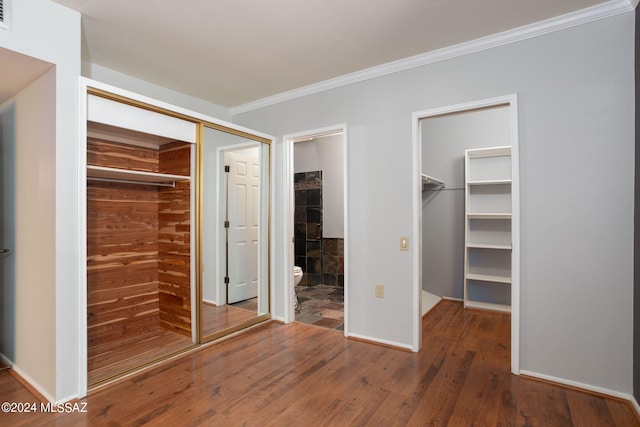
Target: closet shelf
{"x":490,"y":182}
{"x":487,"y":305}
{"x":101,"y":173}
{"x":429,"y":180}
{"x":493,"y":215}
{"x":487,"y":246}
{"x":489,"y":278}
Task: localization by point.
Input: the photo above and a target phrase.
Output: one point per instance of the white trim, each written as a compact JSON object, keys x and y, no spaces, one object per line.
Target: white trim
{"x":83,"y":374}
{"x":379,"y":341}
{"x":515,"y":235}
{"x":416,"y":224}
{"x":512,"y":102}
{"x":272,"y":228}
{"x":584,"y":16}
{"x":583,"y":386}
{"x":635,"y":405}
{"x":288,"y":216}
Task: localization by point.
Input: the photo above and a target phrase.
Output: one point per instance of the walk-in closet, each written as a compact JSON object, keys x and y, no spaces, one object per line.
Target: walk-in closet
{"x":468,"y":232}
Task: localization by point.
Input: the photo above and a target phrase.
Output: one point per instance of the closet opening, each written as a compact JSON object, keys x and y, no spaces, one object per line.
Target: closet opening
{"x":469,"y":209}
{"x":177,"y":217}
{"x":139,"y":280}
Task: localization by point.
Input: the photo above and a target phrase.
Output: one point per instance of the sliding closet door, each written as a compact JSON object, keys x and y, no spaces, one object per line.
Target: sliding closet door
{"x":234,"y":230}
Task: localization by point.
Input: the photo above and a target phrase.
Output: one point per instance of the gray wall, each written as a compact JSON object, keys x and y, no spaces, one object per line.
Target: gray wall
{"x":325,"y":154}
{"x":444,"y":140}
{"x":576,"y":124}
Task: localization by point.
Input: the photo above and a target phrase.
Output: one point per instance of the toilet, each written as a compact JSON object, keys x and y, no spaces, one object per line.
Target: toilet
{"x":297,"y":277}
{"x":297,"y":274}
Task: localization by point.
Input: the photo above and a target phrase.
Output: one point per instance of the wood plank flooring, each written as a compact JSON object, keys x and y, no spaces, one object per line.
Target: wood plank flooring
{"x":218,"y":318}
{"x":301,"y":375}
{"x":115,"y":358}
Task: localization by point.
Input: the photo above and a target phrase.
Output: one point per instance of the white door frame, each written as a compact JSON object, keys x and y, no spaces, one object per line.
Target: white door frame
{"x":512,"y":102}
{"x":289,"y":208}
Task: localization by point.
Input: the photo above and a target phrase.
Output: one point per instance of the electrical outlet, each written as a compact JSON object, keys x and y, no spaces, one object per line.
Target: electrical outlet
{"x":404,"y":243}
{"x":379,"y":291}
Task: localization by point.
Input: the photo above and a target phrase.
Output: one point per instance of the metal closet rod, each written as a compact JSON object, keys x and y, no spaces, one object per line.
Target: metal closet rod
{"x":126,"y":181}
{"x":426,"y":179}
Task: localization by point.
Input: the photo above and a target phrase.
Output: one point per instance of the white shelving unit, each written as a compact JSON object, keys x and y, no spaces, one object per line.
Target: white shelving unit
{"x":488,"y":229}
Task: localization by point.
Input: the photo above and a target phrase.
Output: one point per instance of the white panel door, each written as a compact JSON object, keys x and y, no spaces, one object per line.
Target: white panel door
{"x":244,"y":208}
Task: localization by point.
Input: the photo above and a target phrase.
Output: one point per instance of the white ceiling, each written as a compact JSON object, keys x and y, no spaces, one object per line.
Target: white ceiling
{"x":234,"y":52}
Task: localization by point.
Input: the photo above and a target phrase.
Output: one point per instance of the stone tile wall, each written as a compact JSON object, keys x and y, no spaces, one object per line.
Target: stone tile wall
{"x":321,"y":260}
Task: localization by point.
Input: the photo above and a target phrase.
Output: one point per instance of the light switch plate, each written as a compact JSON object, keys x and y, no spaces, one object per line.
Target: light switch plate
{"x":404,"y":243}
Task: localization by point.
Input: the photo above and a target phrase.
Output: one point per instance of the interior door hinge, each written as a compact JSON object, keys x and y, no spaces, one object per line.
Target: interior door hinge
{"x":226,"y":280}
{"x":227,"y":168}
{"x":226,"y":224}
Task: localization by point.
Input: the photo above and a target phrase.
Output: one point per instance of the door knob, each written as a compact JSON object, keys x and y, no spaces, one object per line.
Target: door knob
{"x":4,"y":251}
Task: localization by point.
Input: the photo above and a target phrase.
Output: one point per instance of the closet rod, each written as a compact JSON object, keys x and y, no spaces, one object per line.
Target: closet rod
{"x":126,"y":181}
{"x":426,"y":179}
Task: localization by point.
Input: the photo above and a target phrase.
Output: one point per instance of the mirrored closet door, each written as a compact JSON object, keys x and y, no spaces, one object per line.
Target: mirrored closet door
{"x":234,"y":232}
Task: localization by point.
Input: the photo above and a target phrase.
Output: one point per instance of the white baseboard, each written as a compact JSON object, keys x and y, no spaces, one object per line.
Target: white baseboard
{"x":6,"y":360}
{"x":583,"y":386}
{"x":452,"y":299}
{"x":278,"y":318}
{"x":635,"y":405}
{"x":385,"y":342}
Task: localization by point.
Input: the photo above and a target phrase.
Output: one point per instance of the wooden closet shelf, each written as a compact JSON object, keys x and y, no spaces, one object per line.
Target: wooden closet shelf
{"x":126,"y":175}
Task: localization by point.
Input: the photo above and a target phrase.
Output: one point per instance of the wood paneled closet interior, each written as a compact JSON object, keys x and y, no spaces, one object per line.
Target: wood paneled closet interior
{"x":139,"y":237}
{"x":159,"y":211}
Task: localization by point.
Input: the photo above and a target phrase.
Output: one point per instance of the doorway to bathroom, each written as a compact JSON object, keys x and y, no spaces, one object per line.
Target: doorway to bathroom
{"x":317,"y":220}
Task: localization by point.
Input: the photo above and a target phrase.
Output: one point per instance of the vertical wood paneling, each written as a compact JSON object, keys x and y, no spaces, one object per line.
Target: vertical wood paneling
{"x":122,"y":261}
{"x":138,"y":246}
{"x":174,"y":241}
{"x":114,"y":155}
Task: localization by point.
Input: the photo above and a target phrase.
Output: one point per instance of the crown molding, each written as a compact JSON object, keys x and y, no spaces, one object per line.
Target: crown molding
{"x":584,"y":16}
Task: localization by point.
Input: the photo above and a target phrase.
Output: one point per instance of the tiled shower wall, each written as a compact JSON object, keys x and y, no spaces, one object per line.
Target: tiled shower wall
{"x":321,"y":259}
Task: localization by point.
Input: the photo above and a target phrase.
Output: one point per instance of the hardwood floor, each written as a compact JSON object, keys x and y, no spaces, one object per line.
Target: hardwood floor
{"x":301,"y":375}
{"x":115,"y":358}
{"x":218,"y":318}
